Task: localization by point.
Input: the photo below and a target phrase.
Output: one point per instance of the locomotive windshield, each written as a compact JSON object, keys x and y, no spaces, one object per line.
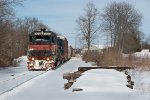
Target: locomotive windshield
{"x":42,"y":38}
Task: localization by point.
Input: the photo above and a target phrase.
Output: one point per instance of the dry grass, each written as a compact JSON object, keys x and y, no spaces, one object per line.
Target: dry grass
{"x":113,"y":58}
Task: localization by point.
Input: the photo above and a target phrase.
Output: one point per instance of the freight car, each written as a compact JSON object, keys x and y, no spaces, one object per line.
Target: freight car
{"x":63,"y":47}
{"x":46,"y":50}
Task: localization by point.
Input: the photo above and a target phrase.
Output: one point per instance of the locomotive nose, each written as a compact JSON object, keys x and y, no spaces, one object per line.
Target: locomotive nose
{"x":41,"y":63}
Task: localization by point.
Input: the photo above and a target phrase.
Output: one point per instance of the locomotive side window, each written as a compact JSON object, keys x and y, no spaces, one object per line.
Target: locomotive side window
{"x":38,"y":38}
{"x":53,"y":39}
{"x":46,"y":38}
{"x":30,"y":39}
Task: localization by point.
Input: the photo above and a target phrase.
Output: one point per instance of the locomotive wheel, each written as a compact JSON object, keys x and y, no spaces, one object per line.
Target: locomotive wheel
{"x":55,"y":63}
{"x":29,"y":69}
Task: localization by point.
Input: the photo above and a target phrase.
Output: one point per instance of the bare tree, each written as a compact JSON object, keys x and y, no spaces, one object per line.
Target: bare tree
{"x":23,"y":27}
{"x":28,"y":25}
{"x":89,"y":24}
{"x":14,"y":34}
{"x":7,"y":9}
{"x":121,"y":21}
{"x":6,"y":33}
{"x":15,"y":38}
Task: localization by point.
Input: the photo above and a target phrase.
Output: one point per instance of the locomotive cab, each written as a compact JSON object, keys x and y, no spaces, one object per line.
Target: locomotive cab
{"x":42,"y":50}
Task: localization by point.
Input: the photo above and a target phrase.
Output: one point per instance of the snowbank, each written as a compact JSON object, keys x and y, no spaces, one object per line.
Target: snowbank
{"x":11,"y":77}
{"x":102,"y":84}
{"x":143,"y":54}
{"x":142,"y":80}
{"x":106,"y":84}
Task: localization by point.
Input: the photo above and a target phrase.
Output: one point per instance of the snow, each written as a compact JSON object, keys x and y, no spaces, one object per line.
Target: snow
{"x":104,"y":84}
{"x":107,"y":84}
{"x":142,"y":80}
{"x":143,"y":54}
{"x":11,"y":77}
{"x":101,"y":46}
{"x":61,"y":37}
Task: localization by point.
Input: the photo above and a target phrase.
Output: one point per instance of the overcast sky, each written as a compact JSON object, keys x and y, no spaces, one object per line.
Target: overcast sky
{"x":61,"y":15}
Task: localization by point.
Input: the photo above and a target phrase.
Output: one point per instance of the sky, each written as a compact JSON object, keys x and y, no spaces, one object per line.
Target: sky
{"x":61,"y":15}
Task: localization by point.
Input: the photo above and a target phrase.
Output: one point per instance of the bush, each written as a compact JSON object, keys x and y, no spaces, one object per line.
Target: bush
{"x":114,"y":58}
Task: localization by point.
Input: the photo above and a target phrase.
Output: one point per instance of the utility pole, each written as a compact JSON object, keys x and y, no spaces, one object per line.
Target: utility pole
{"x":75,"y":37}
{"x":75,"y":44}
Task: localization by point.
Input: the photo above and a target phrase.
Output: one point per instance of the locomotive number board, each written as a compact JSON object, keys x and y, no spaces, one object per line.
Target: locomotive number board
{"x":41,"y":33}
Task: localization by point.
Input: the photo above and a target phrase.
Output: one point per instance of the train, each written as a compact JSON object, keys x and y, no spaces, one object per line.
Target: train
{"x":47,"y":50}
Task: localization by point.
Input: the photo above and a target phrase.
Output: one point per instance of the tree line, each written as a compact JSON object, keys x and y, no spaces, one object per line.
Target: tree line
{"x":14,"y":32}
{"x":119,"y":21}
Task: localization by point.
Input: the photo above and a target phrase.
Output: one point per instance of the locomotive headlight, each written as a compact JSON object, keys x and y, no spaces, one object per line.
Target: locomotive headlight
{"x":30,"y":49}
{"x":31,"y":64}
{"x":47,"y":59}
{"x":33,"y":58}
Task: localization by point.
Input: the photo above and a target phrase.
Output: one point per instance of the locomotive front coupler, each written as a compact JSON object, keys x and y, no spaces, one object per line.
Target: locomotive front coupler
{"x":40,"y":63}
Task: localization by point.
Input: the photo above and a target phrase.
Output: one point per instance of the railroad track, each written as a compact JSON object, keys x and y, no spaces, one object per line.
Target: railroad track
{"x":23,"y":82}
{"x":14,"y":77}
{"x":19,"y":84}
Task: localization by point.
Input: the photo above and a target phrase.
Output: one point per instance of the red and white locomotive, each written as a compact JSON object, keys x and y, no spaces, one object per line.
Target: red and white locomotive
{"x":46,"y":50}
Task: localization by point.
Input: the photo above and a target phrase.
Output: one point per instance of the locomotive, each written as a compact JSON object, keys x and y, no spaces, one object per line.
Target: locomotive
{"x":46,"y":50}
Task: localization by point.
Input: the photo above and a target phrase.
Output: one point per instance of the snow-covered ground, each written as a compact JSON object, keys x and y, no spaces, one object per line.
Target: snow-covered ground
{"x":100,"y":84}
{"x":107,"y":84}
{"x":145,"y":53}
{"x":12,"y":77}
{"x":141,"y":80}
